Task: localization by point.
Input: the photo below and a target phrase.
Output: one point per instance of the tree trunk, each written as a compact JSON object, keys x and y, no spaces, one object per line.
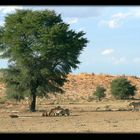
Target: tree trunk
{"x":33,"y":101}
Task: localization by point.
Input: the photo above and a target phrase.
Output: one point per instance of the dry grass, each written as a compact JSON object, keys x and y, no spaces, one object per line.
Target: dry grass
{"x":87,"y":116}
{"x":111,"y":116}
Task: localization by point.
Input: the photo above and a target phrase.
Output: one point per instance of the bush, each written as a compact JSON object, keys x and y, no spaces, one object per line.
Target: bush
{"x":99,"y":93}
{"x":121,"y":88}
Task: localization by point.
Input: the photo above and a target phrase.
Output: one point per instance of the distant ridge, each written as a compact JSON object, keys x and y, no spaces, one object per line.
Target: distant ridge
{"x":81,"y":86}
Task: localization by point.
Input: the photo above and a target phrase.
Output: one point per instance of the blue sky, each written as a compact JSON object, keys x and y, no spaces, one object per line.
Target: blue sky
{"x":113,"y":33}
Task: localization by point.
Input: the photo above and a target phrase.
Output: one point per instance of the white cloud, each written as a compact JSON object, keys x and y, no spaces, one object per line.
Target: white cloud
{"x":9,"y":9}
{"x":113,"y":23}
{"x":107,"y":52}
{"x":72,"y":20}
{"x":121,"y":15}
{"x":136,"y":60}
{"x":117,"y":19}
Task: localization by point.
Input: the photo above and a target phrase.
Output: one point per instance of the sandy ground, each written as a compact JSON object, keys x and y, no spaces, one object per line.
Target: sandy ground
{"x":89,"y":122}
{"x":83,"y":119}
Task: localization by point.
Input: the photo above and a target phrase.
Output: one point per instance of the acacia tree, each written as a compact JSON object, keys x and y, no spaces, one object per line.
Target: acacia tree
{"x":121,"y":88}
{"x":41,"y":51}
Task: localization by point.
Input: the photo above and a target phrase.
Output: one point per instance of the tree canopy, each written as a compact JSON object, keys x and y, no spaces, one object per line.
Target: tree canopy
{"x":121,"y":88}
{"x":41,"y":50}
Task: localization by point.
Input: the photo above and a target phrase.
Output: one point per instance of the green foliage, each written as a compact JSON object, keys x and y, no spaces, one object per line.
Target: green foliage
{"x":41,"y":50}
{"x":99,"y":93}
{"x":13,"y":93}
{"x":121,"y":88}
{"x":15,"y":96}
{"x":1,"y":75}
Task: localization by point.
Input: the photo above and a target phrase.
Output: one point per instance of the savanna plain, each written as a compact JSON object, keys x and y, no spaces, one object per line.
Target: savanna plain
{"x":106,"y":116}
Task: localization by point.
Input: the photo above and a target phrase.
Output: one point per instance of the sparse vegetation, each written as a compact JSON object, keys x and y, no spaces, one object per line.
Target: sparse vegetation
{"x":90,"y":98}
{"x":3,"y":100}
{"x":99,"y":93}
{"x":121,"y":88}
{"x":107,"y":108}
{"x":122,"y":109}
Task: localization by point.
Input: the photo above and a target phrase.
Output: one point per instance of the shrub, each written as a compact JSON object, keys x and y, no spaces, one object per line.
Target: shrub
{"x":121,"y":88}
{"x":99,"y":93}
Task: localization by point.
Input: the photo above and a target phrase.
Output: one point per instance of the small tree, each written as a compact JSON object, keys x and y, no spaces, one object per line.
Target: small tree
{"x":121,"y":88}
{"x":99,"y":93}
